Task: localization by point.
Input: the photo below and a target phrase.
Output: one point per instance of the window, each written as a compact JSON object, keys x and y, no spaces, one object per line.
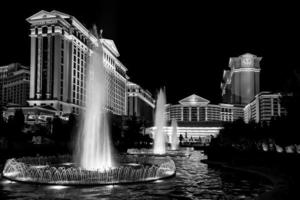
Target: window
{"x":44,"y":30}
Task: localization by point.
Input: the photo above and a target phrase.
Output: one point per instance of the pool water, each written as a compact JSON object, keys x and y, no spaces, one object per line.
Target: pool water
{"x":193,"y":180}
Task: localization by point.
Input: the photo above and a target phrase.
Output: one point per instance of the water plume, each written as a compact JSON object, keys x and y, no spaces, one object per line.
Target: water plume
{"x":160,"y":123}
{"x":94,"y":150}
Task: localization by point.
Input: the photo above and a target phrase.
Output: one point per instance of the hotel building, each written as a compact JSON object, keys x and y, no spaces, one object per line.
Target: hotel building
{"x":14,"y":84}
{"x":140,"y":102}
{"x":242,"y":81}
{"x":264,"y":107}
{"x":197,"y":109}
{"x":60,"y":50}
{"x":196,"y":117}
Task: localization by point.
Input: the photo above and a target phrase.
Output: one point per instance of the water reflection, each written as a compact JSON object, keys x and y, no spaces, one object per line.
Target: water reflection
{"x":194,"y":180}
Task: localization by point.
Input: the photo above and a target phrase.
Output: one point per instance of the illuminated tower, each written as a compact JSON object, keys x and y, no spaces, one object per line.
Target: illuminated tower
{"x":241,"y":83}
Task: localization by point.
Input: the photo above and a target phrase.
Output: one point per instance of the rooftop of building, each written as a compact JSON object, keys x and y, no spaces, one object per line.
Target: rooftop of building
{"x":15,"y":66}
{"x":66,"y":19}
{"x":134,"y":85}
{"x":194,"y":100}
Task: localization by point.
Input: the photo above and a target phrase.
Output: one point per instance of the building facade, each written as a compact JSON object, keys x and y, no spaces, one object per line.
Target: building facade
{"x":242,"y":81}
{"x":14,"y":84}
{"x":197,"y":109}
{"x":198,"y":119}
{"x":140,"y":102}
{"x":264,"y":107}
{"x":60,"y":51}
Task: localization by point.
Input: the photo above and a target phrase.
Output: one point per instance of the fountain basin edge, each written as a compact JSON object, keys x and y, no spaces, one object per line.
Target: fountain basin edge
{"x":42,"y":171}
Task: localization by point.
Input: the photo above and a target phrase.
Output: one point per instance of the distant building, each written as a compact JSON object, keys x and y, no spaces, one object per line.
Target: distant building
{"x":197,"y":109}
{"x":242,"y":81}
{"x":197,"y":118}
{"x":60,"y":50}
{"x":140,"y":102}
{"x":264,"y":107}
{"x":14,"y":84}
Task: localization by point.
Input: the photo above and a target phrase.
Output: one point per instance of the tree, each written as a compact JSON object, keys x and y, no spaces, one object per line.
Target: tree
{"x":116,"y":123}
{"x":2,"y":123}
{"x":57,"y":128}
{"x":180,"y":138}
{"x":17,"y":122}
{"x":133,"y":136}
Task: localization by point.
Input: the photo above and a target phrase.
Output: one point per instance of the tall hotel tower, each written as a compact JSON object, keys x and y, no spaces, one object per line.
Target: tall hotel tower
{"x":60,"y":49}
{"x":241,"y":83}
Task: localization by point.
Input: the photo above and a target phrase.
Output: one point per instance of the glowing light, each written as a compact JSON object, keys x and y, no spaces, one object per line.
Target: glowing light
{"x":39,"y":166}
{"x":58,"y":187}
{"x":133,"y":164}
{"x":67,"y":163}
{"x":10,"y":174}
{"x":169,"y":172}
{"x":4,"y":182}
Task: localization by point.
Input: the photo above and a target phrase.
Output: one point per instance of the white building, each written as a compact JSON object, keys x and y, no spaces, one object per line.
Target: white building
{"x":14,"y":84}
{"x":264,"y":107}
{"x":197,"y":118}
{"x":60,"y":50}
{"x":197,"y":109}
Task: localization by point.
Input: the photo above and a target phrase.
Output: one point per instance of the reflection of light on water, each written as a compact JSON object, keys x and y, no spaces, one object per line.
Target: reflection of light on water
{"x":4,"y":182}
{"x":57,"y":187}
{"x":133,"y":164}
{"x":39,"y":166}
{"x":10,"y":174}
{"x":169,"y":172}
{"x":67,"y":163}
{"x":24,"y":179}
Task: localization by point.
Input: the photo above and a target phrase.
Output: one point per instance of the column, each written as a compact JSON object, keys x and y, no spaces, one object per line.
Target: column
{"x":272,"y":107}
{"x":49,"y":71}
{"x":39,"y":69}
{"x":279,"y":108}
{"x":181,"y":113}
{"x":32,"y":67}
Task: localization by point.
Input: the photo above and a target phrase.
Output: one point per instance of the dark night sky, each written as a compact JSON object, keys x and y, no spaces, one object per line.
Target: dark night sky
{"x":184,"y":46}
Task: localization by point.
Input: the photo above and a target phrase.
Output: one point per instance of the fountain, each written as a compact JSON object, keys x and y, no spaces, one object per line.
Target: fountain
{"x":92,"y":162}
{"x":160,"y":136}
{"x":93,"y":149}
{"x":160,"y":123}
{"x":174,"y":137}
{"x":59,"y":170}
